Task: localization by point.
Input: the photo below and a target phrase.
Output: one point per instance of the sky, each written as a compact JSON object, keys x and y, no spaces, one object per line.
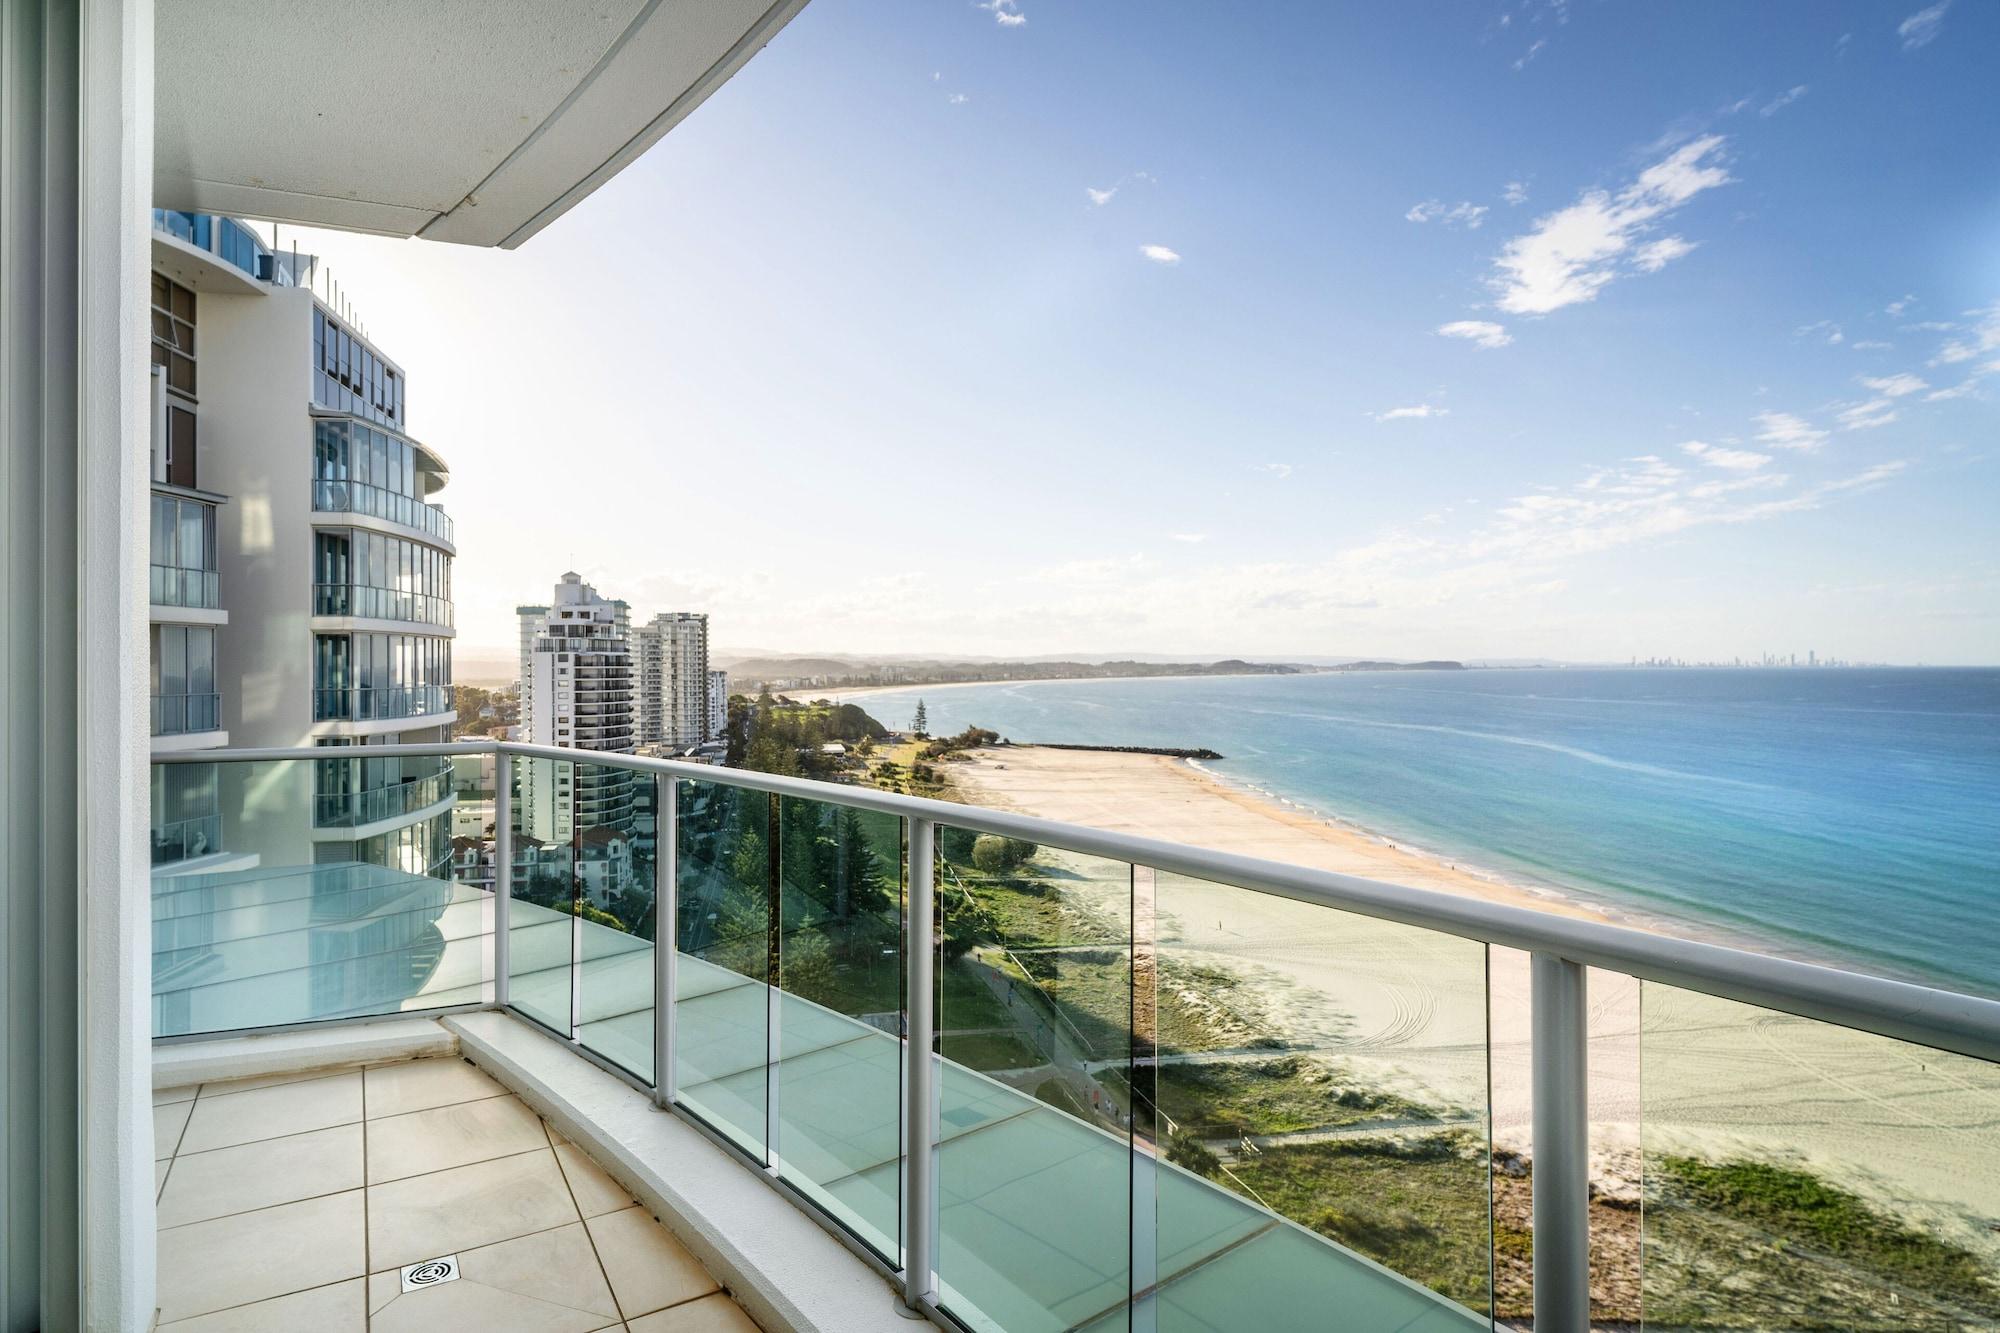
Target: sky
{"x":1576,"y":330}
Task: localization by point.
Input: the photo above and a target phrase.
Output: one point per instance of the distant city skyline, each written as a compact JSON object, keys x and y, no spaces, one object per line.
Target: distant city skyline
{"x":1544,"y":331}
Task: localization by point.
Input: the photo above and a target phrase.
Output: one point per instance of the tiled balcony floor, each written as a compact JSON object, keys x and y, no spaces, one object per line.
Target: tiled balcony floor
{"x":294,"y":1202}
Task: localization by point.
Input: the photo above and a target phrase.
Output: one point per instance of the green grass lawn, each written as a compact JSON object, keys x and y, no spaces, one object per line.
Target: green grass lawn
{"x":1280,"y":1095}
{"x":1417,"y":1205}
{"x":991,"y":1050}
{"x":1749,"y":1245}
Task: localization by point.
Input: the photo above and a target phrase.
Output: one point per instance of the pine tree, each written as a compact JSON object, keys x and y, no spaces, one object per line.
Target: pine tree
{"x":920,"y":725}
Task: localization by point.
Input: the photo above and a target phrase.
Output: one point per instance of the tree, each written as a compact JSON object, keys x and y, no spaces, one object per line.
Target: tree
{"x":920,"y":725}
{"x":996,"y":855}
{"x":1190,"y":1153}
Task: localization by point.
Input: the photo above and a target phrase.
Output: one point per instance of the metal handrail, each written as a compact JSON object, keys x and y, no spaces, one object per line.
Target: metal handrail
{"x":1922,"y":1015}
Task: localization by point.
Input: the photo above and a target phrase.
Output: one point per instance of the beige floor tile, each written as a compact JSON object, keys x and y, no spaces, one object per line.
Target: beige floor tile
{"x":596,"y":1193}
{"x":250,"y":1257}
{"x":168,"y":1096}
{"x":168,"y":1122}
{"x":451,"y":1211}
{"x":710,"y":1314}
{"x":448,"y":1136}
{"x":648,"y":1268}
{"x":260,"y":1174}
{"x":418,"y":1085}
{"x":334,"y":1309}
{"x":545,"y":1283}
{"x":265,"y":1113}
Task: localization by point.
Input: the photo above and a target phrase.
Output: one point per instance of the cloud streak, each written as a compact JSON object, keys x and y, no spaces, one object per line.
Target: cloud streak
{"x":1418,"y":412}
{"x":1921,"y":28}
{"x":1574,"y":253}
{"x":1483,"y":332}
{"x":1160,"y":254}
{"x":1465,"y":213}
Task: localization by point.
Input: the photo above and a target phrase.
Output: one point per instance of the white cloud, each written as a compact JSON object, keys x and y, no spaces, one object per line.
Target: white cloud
{"x":1189,"y":537}
{"x":1007,"y":13}
{"x":1462,"y":214}
{"x":1827,"y":327}
{"x":1731,"y":460}
{"x":1955,"y":391}
{"x":1484,"y":332}
{"x":1515,"y":193}
{"x":1782,"y":430}
{"x":1982,"y":336}
{"x":1656,"y":255}
{"x":1278,"y":470}
{"x":1407,"y":413}
{"x":1782,"y":100}
{"x":1100,"y":197}
{"x":1571,"y":254}
{"x":1871,"y":345}
{"x":1896,"y":308}
{"x":1921,"y":28}
{"x":1868,"y":415}
{"x":958,"y":99}
{"x":1159,"y":254}
{"x":1895,"y":386}
{"x":1531,"y":53}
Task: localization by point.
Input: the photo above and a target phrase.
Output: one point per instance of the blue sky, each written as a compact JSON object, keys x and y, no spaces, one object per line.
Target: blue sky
{"x":1577,"y":330}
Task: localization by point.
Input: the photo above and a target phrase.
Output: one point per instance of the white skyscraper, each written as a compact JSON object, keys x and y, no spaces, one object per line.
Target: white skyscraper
{"x":718,"y":704}
{"x":673,"y":706}
{"x":576,"y":692}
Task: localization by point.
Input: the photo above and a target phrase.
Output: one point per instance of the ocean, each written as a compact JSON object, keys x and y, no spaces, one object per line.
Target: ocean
{"x":1847,"y":815}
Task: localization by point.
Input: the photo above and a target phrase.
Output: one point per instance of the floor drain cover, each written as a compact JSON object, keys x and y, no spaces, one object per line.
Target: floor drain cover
{"x":430,"y":1273}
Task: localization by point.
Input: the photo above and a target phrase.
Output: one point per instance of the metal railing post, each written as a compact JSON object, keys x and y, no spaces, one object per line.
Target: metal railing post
{"x":1562,"y":1145}
{"x":919,"y":1072}
{"x":666,"y":933}
{"x":503,"y":872}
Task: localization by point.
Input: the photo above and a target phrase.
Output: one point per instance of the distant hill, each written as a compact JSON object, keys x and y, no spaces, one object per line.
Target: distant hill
{"x":828,"y":672}
{"x":1397,"y":666}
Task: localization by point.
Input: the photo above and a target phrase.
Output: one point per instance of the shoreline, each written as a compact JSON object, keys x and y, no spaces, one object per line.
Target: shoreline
{"x":1449,"y":1020}
{"x":1138,"y":793}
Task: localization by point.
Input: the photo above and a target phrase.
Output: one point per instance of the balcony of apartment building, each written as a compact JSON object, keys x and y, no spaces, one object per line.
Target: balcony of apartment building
{"x":784,"y":1068}
{"x":497,"y":1074}
{"x":417,"y":705}
{"x":358,"y":797}
{"x":379,"y":476}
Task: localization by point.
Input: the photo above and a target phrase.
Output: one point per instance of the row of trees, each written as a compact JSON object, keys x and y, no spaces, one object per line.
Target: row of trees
{"x":778,"y":735}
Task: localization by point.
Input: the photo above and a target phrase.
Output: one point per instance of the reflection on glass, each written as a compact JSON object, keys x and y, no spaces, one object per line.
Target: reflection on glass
{"x":1034,"y":1161}
{"x":722,"y":1007}
{"x":1314,"y":1113}
{"x":616,"y":841}
{"x":541,"y":920}
{"x":1799,"y":1175}
{"x":837,"y":1135}
{"x":262,"y":919}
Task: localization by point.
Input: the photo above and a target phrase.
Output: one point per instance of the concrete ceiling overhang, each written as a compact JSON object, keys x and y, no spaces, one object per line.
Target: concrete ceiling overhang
{"x":474,"y":121}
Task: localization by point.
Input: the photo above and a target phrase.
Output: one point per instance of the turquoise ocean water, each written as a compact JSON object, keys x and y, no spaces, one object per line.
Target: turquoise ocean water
{"x":1838,"y":815}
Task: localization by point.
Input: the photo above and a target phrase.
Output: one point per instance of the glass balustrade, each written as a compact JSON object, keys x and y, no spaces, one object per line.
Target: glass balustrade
{"x":390,"y":800}
{"x":170,"y":585}
{"x":181,"y":714}
{"x":281,"y":924}
{"x":360,"y":497}
{"x":371,"y":603}
{"x":375,"y":703}
{"x":1161,"y":1102}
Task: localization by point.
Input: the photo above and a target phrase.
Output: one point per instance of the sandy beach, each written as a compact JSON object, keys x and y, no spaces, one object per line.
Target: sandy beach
{"x":1909,"y":1128}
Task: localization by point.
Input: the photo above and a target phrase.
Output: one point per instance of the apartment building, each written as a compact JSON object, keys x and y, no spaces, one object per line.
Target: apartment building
{"x":673,"y":687}
{"x":284,"y":471}
{"x":718,"y":704}
{"x":577,"y":691}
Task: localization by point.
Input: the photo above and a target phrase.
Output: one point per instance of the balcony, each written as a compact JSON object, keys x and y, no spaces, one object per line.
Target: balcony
{"x":357,"y":497}
{"x":186,"y":714}
{"x":371,"y":603}
{"x":391,"y":800}
{"x":1106,"y":1114}
{"x":198,"y":589}
{"x":237,"y":245}
{"x":380,"y":703}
